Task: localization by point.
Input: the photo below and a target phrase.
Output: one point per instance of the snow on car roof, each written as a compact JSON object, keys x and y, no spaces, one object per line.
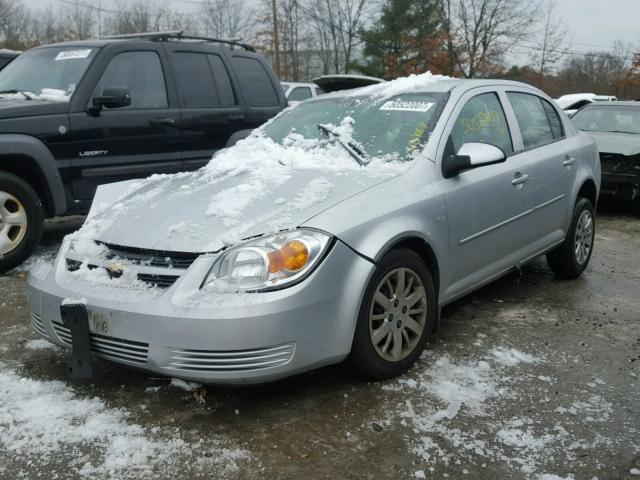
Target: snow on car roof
{"x":424,"y":82}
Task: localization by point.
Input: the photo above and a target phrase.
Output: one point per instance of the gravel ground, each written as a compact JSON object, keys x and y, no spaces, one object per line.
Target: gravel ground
{"x":528,"y":378}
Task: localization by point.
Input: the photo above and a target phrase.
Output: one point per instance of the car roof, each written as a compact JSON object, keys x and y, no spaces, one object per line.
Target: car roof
{"x":142,"y":40}
{"x":424,"y":83}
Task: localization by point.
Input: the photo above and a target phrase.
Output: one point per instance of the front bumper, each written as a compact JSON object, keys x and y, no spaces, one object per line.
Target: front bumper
{"x":213,"y":338}
{"x":620,"y":176}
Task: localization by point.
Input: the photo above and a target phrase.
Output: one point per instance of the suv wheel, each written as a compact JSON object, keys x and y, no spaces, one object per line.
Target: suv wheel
{"x":571,"y":258}
{"x":396,"y":316}
{"x":21,"y":216}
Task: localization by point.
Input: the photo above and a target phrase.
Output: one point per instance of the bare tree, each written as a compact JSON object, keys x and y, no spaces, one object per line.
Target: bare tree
{"x":144,"y":16}
{"x":551,"y":44}
{"x":483,"y":31}
{"x":226,"y":19}
{"x":336,"y":25}
{"x":80,"y":21}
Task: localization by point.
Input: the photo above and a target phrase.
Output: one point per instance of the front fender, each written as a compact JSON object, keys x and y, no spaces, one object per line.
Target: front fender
{"x":43,"y":163}
{"x":374,"y":221}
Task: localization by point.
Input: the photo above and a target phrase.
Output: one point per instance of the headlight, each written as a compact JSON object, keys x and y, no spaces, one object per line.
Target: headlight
{"x":269,"y":262}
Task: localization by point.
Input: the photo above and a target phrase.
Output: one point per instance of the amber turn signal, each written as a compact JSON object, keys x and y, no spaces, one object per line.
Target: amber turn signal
{"x":293,"y":256}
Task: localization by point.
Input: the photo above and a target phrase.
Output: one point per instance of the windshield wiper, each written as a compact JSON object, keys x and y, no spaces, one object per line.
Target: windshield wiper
{"x":24,"y":94}
{"x":351,"y":147}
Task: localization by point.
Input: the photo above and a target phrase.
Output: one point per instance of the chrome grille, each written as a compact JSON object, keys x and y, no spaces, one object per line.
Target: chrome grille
{"x":38,"y":326}
{"x":111,"y":348}
{"x":231,"y":360}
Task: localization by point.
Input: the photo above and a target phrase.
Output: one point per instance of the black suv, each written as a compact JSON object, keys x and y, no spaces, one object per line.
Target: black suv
{"x":75,"y":115}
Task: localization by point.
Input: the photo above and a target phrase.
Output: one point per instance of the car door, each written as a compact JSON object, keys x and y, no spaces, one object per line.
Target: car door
{"x":126,"y":142}
{"x":487,"y":205}
{"x":552,"y":160}
{"x":211,"y":110}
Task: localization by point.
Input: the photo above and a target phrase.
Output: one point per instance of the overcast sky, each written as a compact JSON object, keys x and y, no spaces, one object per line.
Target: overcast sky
{"x":593,"y":24}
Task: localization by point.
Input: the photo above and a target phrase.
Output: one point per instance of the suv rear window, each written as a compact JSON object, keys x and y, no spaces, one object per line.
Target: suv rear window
{"x":203,"y":80}
{"x":256,"y":82}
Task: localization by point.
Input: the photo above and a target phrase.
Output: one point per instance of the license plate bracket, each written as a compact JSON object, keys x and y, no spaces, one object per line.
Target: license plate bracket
{"x":80,"y":363}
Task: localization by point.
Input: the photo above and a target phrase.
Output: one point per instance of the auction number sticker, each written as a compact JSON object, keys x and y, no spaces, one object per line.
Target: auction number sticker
{"x":407,"y":106}
{"x":73,"y":54}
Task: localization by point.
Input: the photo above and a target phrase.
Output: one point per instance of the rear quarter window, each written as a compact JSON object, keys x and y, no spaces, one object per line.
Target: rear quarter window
{"x":256,"y":82}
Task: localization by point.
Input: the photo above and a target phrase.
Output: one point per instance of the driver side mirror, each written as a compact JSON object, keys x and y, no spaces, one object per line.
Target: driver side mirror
{"x":472,"y":155}
{"x":112,"y":97}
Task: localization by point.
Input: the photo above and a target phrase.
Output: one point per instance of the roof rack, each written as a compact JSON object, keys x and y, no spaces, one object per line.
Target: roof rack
{"x":178,"y":35}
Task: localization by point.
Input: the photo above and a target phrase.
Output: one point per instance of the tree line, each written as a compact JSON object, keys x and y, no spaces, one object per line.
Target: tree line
{"x":383,"y":38}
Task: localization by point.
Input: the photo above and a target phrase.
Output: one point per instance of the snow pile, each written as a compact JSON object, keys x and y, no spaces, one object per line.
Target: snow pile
{"x":412,"y":83}
{"x":511,"y":357}
{"x":43,"y":419}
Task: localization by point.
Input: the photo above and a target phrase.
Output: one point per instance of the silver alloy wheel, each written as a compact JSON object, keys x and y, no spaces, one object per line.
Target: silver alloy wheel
{"x":398,"y":314}
{"x":13,"y":222}
{"x":583,"y":237}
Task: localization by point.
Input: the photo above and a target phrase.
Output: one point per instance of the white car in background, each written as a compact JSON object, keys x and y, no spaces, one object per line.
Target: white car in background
{"x":575,"y":101}
{"x":297,"y":92}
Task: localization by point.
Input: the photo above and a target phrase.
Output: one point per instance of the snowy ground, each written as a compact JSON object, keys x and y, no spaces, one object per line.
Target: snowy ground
{"x":529,"y":378}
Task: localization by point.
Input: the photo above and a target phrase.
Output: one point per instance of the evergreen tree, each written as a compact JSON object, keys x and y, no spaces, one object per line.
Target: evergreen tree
{"x":408,"y":38}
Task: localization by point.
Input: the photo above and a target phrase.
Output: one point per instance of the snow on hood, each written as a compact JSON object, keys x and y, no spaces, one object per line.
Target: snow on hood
{"x":614,"y":142}
{"x":256,"y":187}
{"x":49,"y":94}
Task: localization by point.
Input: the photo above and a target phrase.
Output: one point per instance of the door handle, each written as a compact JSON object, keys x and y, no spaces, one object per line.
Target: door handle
{"x":235,"y":118}
{"x":162,"y":121}
{"x":569,"y":160}
{"x":519,"y":180}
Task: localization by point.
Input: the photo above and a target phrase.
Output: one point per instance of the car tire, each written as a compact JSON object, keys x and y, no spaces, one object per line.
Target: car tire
{"x":379,"y":326}
{"x":571,"y":258}
{"x":21,"y":217}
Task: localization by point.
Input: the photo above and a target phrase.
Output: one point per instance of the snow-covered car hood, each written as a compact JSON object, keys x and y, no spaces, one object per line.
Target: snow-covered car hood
{"x":256,"y":187}
{"x":620,"y":143}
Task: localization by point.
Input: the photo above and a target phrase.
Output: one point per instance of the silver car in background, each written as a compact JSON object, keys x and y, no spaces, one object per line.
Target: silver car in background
{"x":336,"y":231}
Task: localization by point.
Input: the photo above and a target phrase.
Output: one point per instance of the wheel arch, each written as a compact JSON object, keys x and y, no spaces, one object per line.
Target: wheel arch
{"x":588,"y":190}
{"x":422,"y":247}
{"x":29,"y":159}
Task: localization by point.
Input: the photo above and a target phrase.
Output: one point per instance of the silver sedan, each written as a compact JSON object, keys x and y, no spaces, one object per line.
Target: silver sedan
{"x":336,"y":231}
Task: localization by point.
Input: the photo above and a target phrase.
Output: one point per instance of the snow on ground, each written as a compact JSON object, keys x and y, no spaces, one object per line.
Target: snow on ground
{"x":440,"y":401}
{"x":45,"y":419}
{"x":41,"y":344}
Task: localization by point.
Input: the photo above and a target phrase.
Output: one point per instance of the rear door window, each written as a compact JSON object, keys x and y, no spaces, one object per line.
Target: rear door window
{"x":256,"y":82}
{"x":203,"y":80}
{"x":482,"y":120}
{"x":532,"y":119}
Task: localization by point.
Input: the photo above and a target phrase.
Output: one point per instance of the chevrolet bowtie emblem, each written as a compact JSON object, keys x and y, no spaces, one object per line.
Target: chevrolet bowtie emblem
{"x":115,"y":269}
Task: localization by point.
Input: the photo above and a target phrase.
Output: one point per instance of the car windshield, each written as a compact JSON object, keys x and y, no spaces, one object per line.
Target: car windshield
{"x":608,"y":118}
{"x":395,"y":127}
{"x":46,"y":73}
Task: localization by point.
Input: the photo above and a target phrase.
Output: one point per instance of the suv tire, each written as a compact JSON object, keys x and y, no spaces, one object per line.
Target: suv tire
{"x":572,"y":256}
{"x":21,"y":217}
{"x":394,"y":322}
